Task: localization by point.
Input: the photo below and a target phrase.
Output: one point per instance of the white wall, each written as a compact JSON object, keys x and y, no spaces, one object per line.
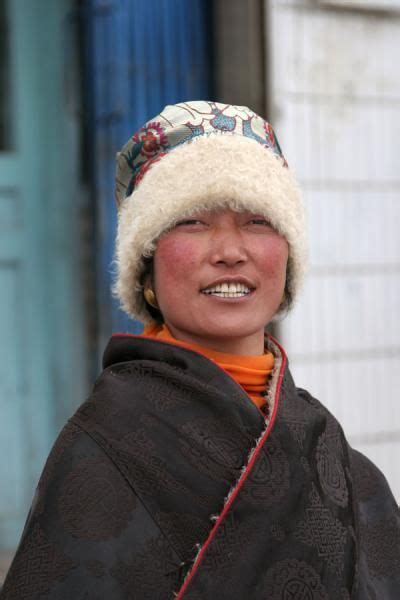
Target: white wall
{"x":335,"y":88}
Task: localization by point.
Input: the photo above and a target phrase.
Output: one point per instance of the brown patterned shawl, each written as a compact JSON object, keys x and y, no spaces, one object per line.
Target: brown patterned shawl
{"x":168,"y":482}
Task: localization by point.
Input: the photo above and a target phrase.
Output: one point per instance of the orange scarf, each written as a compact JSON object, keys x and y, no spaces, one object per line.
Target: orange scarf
{"x":250,"y":372}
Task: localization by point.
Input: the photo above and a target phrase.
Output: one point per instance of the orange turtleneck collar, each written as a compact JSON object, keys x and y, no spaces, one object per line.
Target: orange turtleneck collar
{"x":250,"y":372}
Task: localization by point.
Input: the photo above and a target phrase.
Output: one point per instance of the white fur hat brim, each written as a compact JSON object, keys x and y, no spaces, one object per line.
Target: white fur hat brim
{"x":220,"y":170}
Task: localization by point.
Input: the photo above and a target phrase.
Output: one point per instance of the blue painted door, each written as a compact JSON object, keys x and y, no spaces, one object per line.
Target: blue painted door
{"x":142,"y":56}
{"x":41,"y":343}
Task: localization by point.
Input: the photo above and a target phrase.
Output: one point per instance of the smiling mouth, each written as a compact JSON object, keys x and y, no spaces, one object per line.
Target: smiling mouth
{"x":228,"y":290}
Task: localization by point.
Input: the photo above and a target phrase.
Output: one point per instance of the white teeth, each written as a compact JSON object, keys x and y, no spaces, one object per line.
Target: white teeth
{"x":228,"y":290}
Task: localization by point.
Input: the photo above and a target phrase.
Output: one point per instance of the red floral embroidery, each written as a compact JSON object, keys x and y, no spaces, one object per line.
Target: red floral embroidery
{"x":270,"y":133}
{"x":274,"y":142}
{"x":146,"y":166}
{"x":152,"y":137}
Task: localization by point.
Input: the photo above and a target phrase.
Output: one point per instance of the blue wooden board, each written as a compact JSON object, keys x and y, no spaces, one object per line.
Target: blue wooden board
{"x":142,"y":56}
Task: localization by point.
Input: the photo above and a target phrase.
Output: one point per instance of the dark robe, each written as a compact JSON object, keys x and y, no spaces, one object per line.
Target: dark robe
{"x":168,"y":481}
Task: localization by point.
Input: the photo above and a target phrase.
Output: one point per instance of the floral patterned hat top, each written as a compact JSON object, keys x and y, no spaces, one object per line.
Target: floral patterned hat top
{"x":181,"y":123}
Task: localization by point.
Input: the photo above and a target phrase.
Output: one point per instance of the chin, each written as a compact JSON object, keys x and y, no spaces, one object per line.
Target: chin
{"x":232,"y":329}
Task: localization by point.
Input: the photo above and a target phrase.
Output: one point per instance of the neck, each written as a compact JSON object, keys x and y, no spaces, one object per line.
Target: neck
{"x":252,"y":345}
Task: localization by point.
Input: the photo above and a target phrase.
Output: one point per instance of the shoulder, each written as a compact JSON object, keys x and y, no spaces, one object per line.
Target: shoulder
{"x":88,"y":530}
{"x":378,"y":530}
{"x":376,"y":512}
{"x":73,"y":470}
{"x":369,"y":482}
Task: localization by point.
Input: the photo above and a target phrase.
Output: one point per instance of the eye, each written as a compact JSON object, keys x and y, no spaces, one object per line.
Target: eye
{"x":192,"y":224}
{"x":260,"y":221}
{"x":189,"y":222}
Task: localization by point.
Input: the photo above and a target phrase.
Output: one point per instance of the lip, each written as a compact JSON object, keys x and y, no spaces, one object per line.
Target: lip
{"x":231,"y":279}
{"x":229,"y":300}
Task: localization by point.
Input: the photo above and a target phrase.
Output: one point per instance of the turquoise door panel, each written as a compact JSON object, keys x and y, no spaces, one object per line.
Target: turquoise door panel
{"x":42,"y":364}
{"x":12,"y":258}
{"x":12,"y":435}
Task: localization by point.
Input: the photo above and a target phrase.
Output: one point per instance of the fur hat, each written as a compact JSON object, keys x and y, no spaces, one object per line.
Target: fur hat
{"x":198,"y":156}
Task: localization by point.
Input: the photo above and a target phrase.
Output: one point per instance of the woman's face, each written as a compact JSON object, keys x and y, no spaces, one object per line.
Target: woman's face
{"x":219,"y":278}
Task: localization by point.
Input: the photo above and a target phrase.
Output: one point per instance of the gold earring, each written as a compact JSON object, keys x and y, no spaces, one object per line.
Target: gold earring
{"x":150,"y":297}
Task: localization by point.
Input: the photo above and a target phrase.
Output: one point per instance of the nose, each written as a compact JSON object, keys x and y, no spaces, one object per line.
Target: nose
{"x":227,"y":248}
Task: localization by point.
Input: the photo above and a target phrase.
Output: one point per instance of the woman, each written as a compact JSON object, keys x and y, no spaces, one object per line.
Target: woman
{"x":197,"y":469}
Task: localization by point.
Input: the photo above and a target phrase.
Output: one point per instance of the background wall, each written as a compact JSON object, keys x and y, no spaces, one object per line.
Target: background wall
{"x":335,"y":102}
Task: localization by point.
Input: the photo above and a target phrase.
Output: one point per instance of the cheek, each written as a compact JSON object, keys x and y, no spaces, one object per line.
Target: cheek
{"x":174,"y":261}
{"x":273,"y":260}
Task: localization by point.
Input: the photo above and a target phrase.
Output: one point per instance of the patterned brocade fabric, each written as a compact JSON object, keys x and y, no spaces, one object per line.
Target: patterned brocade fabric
{"x":182,"y":123}
{"x":168,"y":483}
